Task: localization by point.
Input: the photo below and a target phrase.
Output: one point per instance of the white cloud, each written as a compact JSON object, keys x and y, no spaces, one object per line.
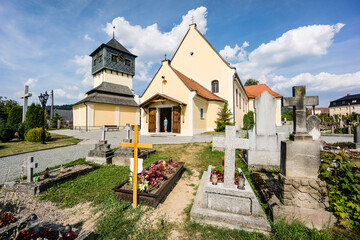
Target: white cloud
{"x":72,"y":88}
{"x":88,"y":38}
{"x":60,"y":93}
{"x":235,"y":54}
{"x":84,"y":68}
{"x":31,"y":82}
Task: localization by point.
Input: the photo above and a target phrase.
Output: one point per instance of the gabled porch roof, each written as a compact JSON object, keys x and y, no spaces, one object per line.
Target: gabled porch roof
{"x":159,"y":98}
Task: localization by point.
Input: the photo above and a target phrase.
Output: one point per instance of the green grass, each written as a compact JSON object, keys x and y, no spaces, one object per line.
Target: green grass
{"x":14,"y":147}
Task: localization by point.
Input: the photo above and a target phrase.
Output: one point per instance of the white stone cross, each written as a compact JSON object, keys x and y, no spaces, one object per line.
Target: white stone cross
{"x":25,"y":97}
{"x":127,"y":129}
{"x":103,"y":132}
{"x":30,"y":169}
{"x":230,"y":143}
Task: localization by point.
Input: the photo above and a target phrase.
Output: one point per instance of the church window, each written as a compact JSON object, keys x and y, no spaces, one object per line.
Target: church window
{"x":164,"y":86}
{"x":237,"y":98}
{"x":127,"y":62}
{"x":215,"y":86}
{"x":114,"y":58}
{"x":201,"y":112}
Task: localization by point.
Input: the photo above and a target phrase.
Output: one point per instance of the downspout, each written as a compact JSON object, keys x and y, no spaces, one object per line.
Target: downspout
{"x":86,"y":117}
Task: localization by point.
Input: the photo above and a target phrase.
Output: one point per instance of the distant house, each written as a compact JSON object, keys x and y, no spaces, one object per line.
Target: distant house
{"x":345,"y":105}
{"x":254,"y":91}
{"x":318,"y":110}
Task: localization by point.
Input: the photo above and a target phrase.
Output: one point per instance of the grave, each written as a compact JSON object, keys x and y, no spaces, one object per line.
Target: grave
{"x":357,"y":137}
{"x":313,"y":127}
{"x":102,"y":153}
{"x":264,"y":151}
{"x":224,"y":204}
{"x":303,"y":195}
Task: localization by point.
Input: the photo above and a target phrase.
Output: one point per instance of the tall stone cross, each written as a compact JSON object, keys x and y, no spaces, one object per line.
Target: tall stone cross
{"x":25,"y":97}
{"x":135,"y":145}
{"x":127,"y":129}
{"x":30,"y":169}
{"x":230,"y":143}
{"x":103,"y":132}
{"x":299,"y":102}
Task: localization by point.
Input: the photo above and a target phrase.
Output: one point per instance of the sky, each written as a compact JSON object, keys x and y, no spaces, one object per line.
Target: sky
{"x":282,"y":43}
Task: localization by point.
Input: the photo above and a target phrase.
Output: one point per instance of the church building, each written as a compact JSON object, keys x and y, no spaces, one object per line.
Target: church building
{"x":111,"y":101}
{"x":190,"y":89}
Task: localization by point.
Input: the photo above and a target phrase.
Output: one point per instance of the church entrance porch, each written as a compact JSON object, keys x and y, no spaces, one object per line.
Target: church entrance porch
{"x":165,"y":113}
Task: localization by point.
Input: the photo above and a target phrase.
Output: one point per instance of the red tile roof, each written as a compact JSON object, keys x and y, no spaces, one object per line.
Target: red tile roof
{"x":255,"y":90}
{"x":194,"y":86}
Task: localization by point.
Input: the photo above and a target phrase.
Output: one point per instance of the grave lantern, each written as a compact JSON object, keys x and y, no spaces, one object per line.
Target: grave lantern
{"x":214,"y":177}
{"x":43,"y":99}
{"x":241,"y":181}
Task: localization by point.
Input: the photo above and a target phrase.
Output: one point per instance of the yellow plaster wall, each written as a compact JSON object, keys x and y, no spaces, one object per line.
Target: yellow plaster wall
{"x":241,"y":107}
{"x":204,"y":65}
{"x":104,"y":114}
{"x":200,"y":123}
{"x":82,"y":121}
{"x":213,"y":108}
{"x":343,"y":110}
{"x":127,"y":115}
{"x":112,"y":77}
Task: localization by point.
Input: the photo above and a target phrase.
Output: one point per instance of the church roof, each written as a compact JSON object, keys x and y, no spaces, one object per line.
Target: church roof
{"x":110,"y":93}
{"x":159,"y":96}
{"x":255,"y":90}
{"x":200,"y":90}
{"x":114,"y":44}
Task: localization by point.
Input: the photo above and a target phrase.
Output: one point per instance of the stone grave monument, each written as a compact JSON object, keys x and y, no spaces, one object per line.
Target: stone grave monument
{"x":357,"y":137}
{"x":224,"y":204}
{"x":31,"y":165}
{"x":122,"y":155}
{"x":264,"y":151}
{"x":102,"y":153}
{"x":303,"y":195}
{"x":313,"y":127}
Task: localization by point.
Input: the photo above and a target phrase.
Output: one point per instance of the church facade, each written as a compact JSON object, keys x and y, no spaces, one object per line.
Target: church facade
{"x":111,"y":101}
{"x":190,"y":89}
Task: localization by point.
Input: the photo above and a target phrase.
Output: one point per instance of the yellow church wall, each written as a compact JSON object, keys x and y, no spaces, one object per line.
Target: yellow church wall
{"x":111,"y":76}
{"x":204,"y":65}
{"x":79,"y":116}
{"x":200,"y":123}
{"x":104,"y":114}
{"x":127,"y":115}
{"x":213,"y":108}
{"x":240,"y":107}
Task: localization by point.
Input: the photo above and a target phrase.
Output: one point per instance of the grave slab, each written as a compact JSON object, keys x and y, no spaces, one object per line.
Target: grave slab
{"x":357,"y":137}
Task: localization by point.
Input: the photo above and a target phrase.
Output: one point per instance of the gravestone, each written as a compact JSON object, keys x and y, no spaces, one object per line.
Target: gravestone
{"x":332,"y":129}
{"x":31,"y":165}
{"x":341,"y":123}
{"x":58,"y":124}
{"x":264,"y":151}
{"x":224,"y":204}
{"x":313,"y":127}
{"x":25,"y":104}
{"x":123,"y":154}
{"x":102,"y":153}
{"x":103,"y":133}
{"x":357,"y":137}
{"x":128,"y":130}
{"x":303,"y":195}
{"x":349,"y":129}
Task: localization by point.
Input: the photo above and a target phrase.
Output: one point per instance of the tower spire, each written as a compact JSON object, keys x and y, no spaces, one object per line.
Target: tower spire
{"x":113,"y":31}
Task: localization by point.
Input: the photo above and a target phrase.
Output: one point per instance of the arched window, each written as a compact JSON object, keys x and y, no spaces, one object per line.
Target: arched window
{"x":164,"y":86}
{"x":237,"y":98}
{"x":215,"y":86}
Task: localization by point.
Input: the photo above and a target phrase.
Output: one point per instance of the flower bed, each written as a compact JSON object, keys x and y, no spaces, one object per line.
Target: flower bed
{"x":154,"y":183}
{"x":220,"y":174}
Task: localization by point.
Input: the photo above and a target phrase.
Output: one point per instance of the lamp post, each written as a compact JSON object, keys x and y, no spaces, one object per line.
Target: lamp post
{"x":43,"y":99}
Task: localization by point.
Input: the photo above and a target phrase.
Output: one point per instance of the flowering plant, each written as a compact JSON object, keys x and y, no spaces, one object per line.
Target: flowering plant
{"x":220,"y":174}
{"x":6,"y":219}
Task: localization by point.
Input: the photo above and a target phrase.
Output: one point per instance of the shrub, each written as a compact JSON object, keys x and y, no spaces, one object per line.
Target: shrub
{"x":21,"y":131}
{"x":6,"y":132}
{"x":34,"y":117}
{"x":224,"y":118}
{"x":34,"y":135}
{"x":248,"y":120}
{"x":15,"y":115}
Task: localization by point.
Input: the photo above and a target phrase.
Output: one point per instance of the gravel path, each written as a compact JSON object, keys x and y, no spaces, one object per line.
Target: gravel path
{"x":57,"y":156}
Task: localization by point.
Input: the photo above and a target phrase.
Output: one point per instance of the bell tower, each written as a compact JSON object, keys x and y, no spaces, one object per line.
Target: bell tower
{"x":113,"y":63}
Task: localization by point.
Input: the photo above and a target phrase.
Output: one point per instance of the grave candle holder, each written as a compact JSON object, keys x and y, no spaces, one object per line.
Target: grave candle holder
{"x":214,"y":178}
{"x":241,"y":185}
{"x":61,"y":169}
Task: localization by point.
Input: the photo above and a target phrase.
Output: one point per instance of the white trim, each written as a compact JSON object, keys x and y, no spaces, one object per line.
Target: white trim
{"x":90,"y":115}
{"x":117,"y":116}
{"x":79,"y":123}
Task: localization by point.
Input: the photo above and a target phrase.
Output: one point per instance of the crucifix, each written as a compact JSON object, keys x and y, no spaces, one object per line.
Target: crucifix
{"x":230,"y":143}
{"x":25,"y":97}
{"x":135,"y":145}
{"x":299,"y":102}
{"x":165,"y":56}
{"x":30,"y":169}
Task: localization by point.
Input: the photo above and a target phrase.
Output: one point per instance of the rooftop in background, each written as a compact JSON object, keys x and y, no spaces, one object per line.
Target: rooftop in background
{"x":347,"y":100}
{"x":114,"y":44}
{"x":112,"y":88}
{"x":254,"y":91}
{"x":318,"y":110}
{"x":200,"y":90}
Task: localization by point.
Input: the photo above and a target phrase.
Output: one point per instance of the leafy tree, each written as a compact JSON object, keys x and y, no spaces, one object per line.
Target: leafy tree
{"x":248,"y":120}
{"x":6,"y":131}
{"x":287,"y":112}
{"x":5,"y":107}
{"x":55,"y":119}
{"x":251,"y":82}
{"x":34,"y":117}
{"x":15,"y":115}
{"x":224,"y":118}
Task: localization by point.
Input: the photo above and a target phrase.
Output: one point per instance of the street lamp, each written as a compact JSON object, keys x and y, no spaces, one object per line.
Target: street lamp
{"x":43,"y":99}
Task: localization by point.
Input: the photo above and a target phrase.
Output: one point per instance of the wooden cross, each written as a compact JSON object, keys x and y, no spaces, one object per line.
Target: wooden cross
{"x":135,"y":145}
{"x":299,"y":101}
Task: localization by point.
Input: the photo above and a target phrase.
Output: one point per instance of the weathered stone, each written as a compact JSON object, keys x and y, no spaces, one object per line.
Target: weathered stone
{"x":357,"y":137}
{"x":304,"y":189}
{"x":322,"y":183}
{"x":289,"y":188}
{"x":303,"y":196}
{"x":296,"y":183}
{"x":313,"y":127}
{"x":288,"y":202}
{"x":313,"y":183}
{"x":102,"y":154}
{"x":316,"y":196}
{"x":304,"y":182}
{"x":288,"y":195}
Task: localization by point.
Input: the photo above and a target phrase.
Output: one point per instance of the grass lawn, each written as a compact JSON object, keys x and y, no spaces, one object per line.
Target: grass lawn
{"x":120,"y":221}
{"x":15,"y":146}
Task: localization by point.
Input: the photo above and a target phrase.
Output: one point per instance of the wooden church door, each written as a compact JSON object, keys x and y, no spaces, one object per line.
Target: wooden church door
{"x":152,"y":119}
{"x":176,"y":119}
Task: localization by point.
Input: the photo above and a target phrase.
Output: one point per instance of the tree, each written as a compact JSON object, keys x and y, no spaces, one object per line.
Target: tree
{"x":55,"y":119}
{"x":287,"y":112}
{"x":251,"y":82}
{"x":248,"y":120}
{"x":5,"y":107}
{"x":224,"y":118}
{"x":15,"y":115}
{"x":34,"y":117}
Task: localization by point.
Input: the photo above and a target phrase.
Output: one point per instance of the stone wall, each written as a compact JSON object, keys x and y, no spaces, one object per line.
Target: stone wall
{"x":303,"y":192}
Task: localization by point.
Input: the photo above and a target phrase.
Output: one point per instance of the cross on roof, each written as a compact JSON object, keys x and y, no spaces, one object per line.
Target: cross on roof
{"x":192,"y":19}
{"x":165,"y":56}
{"x":135,"y":145}
{"x":230,"y":143}
{"x":299,"y":101}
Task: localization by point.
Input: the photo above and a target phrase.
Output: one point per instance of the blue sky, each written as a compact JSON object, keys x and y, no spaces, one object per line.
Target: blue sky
{"x":281,"y":43}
